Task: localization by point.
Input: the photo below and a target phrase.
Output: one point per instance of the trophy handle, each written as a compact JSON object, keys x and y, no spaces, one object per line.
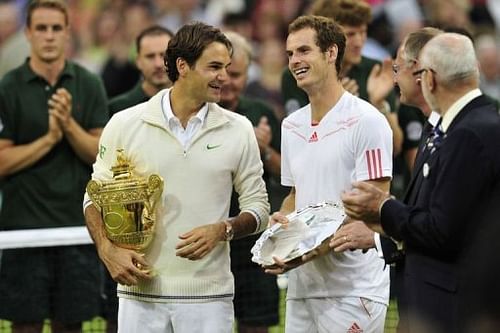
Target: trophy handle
{"x":155,"y":188}
{"x":93,"y":189}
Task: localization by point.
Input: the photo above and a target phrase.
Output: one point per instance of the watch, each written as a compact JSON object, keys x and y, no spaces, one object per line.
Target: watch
{"x":229,"y":232}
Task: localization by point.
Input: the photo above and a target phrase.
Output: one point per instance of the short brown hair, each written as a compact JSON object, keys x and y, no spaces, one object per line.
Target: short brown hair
{"x":328,"y":33}
{"x":345,"y":12}
{"x":59,"y":5}
{"x":189,"y":43}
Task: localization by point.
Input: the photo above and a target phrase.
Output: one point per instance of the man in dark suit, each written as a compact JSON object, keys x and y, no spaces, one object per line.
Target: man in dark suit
{"x":453,"y":193}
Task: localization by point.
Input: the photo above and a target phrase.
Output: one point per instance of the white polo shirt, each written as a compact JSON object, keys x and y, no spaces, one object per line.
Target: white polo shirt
{"x":353,"y":142}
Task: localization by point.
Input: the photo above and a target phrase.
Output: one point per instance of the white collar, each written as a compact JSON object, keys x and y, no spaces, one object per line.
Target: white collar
{"x":434,"y":118}
{"x":458,"y":106}
{"x":169,"y":114}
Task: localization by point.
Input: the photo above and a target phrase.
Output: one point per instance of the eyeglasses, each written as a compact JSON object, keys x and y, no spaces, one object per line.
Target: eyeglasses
{"x":396,"y":68}
{"x":420,"y":71}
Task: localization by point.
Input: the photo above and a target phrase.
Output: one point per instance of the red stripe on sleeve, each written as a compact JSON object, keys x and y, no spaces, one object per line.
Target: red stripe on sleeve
{"x":379,"y":157}
{"x":368,"y":161}
{"x":374,"y":164}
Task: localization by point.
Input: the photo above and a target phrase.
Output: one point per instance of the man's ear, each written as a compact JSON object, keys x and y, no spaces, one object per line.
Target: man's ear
{"x":182,"y":66}
{"x":333,"y":52}
{"x":431,"y":81}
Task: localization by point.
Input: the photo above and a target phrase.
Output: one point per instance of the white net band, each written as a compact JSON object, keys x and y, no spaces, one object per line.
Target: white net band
{"x":44,"y":237}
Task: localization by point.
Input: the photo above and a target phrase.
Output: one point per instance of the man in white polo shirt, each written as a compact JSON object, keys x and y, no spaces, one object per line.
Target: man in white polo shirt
{"x":327,"y":144}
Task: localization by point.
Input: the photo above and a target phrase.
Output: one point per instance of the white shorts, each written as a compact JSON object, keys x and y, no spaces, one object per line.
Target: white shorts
{"x":334,"y":315}
{"x":144,"y":317}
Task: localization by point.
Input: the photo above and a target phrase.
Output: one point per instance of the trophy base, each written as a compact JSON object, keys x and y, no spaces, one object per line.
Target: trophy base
{"x":137,"y":241}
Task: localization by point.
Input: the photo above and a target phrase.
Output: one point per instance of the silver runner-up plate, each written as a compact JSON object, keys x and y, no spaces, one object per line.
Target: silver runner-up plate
{"x":306,"y":230}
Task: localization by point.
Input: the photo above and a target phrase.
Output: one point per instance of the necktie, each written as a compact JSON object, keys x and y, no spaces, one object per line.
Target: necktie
{"x":424,"y":140}
{"x":435,"y":138}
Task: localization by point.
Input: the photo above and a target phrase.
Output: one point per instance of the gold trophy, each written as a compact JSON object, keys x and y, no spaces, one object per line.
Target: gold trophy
{"x":127,"y":204}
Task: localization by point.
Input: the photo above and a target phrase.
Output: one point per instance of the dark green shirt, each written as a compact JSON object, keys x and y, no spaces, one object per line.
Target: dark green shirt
{"x":50,"y":192}
{"x":254,"y":110}
{"x":130,"y":98}
{"x":295,"y":98}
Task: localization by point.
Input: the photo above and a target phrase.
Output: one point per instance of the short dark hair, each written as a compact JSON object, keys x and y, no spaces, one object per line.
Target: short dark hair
{"x":189,"y":43}
{"x":155,"y":30}
{"x":59,"y":5}
{"x":328,"y":33}
{"x":344,"y":12}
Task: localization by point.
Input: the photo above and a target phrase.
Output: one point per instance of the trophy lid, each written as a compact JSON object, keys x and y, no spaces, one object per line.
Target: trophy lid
{"x":122,"y":168}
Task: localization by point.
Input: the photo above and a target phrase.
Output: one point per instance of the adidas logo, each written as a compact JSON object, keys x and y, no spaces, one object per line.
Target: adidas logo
{"x":355,"y":329}
{"x":314,"y":137}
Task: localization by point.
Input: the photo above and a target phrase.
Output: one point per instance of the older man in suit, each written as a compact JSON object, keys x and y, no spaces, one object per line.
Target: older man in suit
{"x":455,"y":188}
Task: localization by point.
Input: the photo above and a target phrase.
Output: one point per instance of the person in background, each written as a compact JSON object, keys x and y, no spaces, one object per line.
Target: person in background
{"x":118,"y":71}
{"x":325,"y":146}
{"x":405,"y":64}
{"x":52,"y":113}
{"x":488,"y":55}
{"x":183,"y":282}
{"x":150,"y":44}
{"x":270,"y":59}
{"x":256,"y":298}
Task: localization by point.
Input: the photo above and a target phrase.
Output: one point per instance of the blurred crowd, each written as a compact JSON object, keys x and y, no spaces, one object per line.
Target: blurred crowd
{"x":103,"y":33}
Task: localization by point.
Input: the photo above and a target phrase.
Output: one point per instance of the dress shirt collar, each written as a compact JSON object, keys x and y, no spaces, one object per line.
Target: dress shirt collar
{"x":456,"y":107}
{"x":172,"y":118}
{"x":433,"y":118}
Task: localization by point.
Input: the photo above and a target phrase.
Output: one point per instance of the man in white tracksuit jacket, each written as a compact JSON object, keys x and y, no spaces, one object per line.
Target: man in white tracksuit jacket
{"x":201,"y":150}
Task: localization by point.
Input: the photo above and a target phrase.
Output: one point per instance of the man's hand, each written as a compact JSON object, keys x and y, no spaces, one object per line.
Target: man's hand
{"x":380,"y":83}
{"x":353,"y":235}
{"x":60,"y":107}
{"x":350,"y":85}
{"x":281,"y":267}
{"x":278,"y":217}
{"x":263,"y":134}
{"x":125,"y":266}
{"x":54,"y":134}
{"x":197,"y":243}
{"x":363,"y":203}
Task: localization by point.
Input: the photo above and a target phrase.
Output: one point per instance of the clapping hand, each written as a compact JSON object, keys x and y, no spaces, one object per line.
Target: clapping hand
{"x":60,"y":107}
